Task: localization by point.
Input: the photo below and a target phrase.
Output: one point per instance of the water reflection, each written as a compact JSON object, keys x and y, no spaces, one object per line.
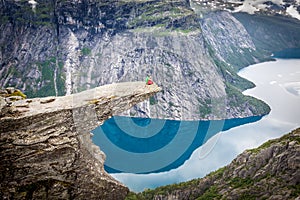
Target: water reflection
{"x":143,"y":145}
{"x":271,"y":79}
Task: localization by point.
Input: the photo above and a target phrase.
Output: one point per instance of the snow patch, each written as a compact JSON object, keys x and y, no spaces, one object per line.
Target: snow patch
{"x":246,"y":7}
{"x":293,"y":12}
{"x":33,"y":4}
{"x":251,"y":6}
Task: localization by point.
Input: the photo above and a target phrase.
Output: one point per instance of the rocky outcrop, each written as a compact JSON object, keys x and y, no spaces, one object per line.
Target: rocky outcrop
{"x":270,"y":171}
{"x":45,"y":147}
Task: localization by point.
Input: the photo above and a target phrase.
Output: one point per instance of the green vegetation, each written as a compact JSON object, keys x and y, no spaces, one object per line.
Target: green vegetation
{"x":211,"y":193}
{"x":153,"y":100}
{"x":167,"y":16}
{"x":218,"y":173}
{"x":14,"y":71}
{"x":237,"y":99}
{"x":295,"y":190}
{"x":47,"y":68}
{"x":278,"y":29}
{"x":85,"y":51}
{"x":238,"y":182}
{"x":164,"y":190}
{"x":263,"y":146}
{"x":159,"y":30}
{"x":230,"y":72}
{"x":235,"y":85}
{"x":132,"y":196}
{"x":171,"y":104}
{"x":23,"y":13}
{"x":4,"y":19}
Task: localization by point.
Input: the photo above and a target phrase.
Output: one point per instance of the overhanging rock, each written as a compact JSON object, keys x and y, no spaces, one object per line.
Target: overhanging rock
{"x":45,"y":147}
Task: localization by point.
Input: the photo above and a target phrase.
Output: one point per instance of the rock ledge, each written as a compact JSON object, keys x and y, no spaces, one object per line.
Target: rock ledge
{"x":45,"y":147}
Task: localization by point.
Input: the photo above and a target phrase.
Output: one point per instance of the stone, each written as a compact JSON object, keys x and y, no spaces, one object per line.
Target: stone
{"x":10,"y":90}
{"x":3,"y":106}
{"x":46,"y":150}
{"x":47,"y":100}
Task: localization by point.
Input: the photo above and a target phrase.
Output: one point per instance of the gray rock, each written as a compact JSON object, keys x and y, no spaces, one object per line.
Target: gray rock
{"x":3,"y":106}
{"x":46,"y":148}
{"x":229,"y":39}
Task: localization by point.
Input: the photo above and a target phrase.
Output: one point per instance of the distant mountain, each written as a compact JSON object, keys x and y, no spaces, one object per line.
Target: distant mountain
{"x":60,"y":47}
{"x":288,"y":8}
{"x":270,"y":171}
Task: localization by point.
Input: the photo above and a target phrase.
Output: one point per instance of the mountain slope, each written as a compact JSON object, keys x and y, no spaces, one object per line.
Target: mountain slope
{"x":62,"y":47}
{"x":270,"y":171}
{"x":271,"y":33}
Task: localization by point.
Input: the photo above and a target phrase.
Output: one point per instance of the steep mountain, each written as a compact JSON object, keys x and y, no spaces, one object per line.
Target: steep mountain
{"x":271,"y":33}
{"x":286,"y":8}
{"x":270,"y":171}
{"x":61,"y":47}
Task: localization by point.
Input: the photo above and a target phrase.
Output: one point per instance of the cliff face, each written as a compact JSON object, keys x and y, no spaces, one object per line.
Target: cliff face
{"x":62,"y":47}
{"x":271,"y":33}
{"x":45,"y":146}
{"x":229,"y":39}
{"x":270,"y":171}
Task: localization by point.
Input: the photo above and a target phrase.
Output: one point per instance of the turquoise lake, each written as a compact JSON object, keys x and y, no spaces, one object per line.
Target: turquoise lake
{"x":143,"y":145}
{"x":147,"y":153}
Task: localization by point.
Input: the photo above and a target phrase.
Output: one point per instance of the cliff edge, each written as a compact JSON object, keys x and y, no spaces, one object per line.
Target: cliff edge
{"x":45,"y":147}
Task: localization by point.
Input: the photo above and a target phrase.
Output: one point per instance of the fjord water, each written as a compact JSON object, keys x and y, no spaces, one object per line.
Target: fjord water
{"x":155,"y":145}
{"x":195,"y":148}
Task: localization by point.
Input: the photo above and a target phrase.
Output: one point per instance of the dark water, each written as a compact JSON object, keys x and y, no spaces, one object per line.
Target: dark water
{"x":288,"y":53}
{"x":144,"y":145}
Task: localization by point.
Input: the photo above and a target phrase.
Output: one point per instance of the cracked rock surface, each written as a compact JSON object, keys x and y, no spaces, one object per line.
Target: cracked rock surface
{"x":45,"y":147}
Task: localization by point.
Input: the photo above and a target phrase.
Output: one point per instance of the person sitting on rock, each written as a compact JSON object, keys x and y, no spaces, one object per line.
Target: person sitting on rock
{"x":149,"y":80}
